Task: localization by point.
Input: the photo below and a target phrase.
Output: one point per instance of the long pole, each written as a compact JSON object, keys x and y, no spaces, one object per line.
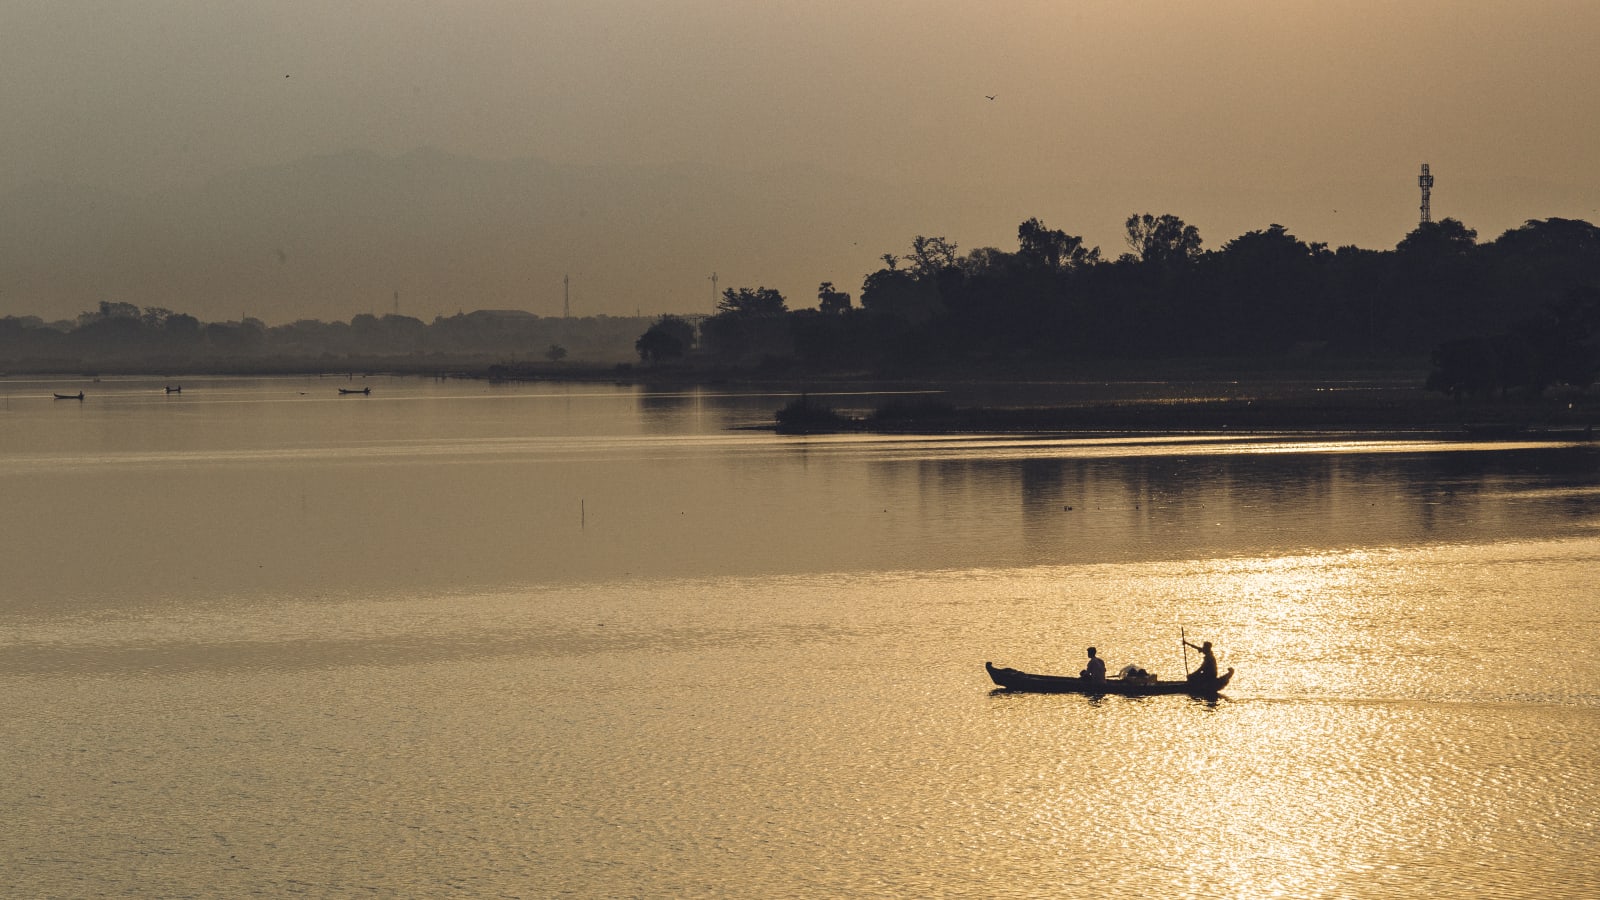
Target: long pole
{"x":1183,"y":638}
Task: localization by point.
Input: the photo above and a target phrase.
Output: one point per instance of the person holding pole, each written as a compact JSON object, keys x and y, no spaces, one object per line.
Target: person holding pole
{"x":1208,"y":662}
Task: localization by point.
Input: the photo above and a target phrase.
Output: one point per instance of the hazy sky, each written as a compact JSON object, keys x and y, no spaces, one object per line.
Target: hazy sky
{"x":1230,"y":114}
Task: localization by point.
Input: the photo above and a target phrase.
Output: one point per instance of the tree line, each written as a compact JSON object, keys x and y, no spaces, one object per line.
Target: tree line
{"x":121,"y":335}
{"x":1521,"y":312}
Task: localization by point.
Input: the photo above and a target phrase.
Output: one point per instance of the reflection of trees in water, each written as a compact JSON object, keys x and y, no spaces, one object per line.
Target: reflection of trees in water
{"x":1478,"y":488}
{"x":657,"y":398}
{"x":668,"y":408}
{"x":1063,"y":510}
{"x":1161,"y":505}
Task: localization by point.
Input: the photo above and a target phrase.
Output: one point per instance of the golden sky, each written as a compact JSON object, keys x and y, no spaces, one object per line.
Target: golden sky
{"x":1230,"y":114}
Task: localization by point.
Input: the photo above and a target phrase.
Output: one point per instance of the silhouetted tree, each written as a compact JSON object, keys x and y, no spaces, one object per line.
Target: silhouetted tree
{"x":235,"y":338}
{"x":989,"y":262}
{"x":901,"y":294}
{"x":1439,"y":289}
{"x":914,"y":293}
{"x":831,"y":301}
{"x":750,"y":324}
{"x":1162,"y":240}
{"x":181,"y":325}
{"x":931,"y":255}
{"x":669,"y":337}
{"x":1052,"y":248}
{"x":1264,"y":291}
{"x":1537,"y":263}
{"x":1557,"y":346}
{"x":155,"y":316}
{"x":761,"y":301}
{"x":1572,"y":238}
{"x":1444,"y":237}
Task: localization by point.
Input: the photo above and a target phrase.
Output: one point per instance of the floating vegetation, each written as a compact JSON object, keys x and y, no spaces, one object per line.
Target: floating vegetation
{"x":806,"y":416}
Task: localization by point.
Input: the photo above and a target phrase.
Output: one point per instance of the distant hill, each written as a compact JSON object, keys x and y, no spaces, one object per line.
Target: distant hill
{"x":333,"y":236}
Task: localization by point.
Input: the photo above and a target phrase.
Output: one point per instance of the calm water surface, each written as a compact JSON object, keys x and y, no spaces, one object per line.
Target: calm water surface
{"x":454,"y":639}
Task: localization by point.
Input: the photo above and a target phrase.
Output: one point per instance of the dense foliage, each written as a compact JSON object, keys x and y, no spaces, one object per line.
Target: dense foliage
{"x":1520,"y":312}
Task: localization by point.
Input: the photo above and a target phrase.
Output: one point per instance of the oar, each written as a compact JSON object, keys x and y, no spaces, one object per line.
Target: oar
{"x":1184,"y":640}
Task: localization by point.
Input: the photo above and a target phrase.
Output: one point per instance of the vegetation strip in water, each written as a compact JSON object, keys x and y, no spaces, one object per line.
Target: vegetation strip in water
{"x":923,"y":415}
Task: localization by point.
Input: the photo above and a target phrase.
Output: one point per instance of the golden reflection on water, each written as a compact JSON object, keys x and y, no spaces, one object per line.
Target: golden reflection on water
{"x":755,"y":669}
{"x":834,"y":735}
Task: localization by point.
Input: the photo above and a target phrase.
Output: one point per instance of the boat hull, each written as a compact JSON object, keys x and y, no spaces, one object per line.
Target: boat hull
{"x":1017,"y":680}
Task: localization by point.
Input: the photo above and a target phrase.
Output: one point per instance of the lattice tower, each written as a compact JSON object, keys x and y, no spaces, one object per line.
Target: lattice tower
{"x":1425,"y":181}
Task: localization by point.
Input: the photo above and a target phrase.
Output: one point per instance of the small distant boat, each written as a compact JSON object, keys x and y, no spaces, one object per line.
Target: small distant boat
{"x":174,"y":390}
{"x":77,"y":396}
{"x":365,"y":390}
{"x":1016,"y":680}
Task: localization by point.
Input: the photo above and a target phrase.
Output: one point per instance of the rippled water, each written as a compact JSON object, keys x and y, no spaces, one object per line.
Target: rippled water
{"x":459,"y":640}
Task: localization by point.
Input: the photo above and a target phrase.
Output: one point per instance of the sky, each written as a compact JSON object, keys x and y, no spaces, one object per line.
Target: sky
{"x":1233,"y":115}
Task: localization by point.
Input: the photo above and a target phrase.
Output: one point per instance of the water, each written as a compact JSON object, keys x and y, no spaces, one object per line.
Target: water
{"x":455,"y":639}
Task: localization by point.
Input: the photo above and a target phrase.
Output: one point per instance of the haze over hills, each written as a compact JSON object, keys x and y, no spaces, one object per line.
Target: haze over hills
{"x":330,"y":237}
{"x":266,"y":161}
{"x":334,"y":236}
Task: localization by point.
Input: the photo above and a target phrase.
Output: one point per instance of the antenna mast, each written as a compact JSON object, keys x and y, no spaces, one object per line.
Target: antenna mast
{"x":1425,"y":181}
{"x":566,"y":297}
{"x":713,"y":293}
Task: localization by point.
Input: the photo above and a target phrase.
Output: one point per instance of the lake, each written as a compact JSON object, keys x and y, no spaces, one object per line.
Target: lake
{"x":530,"y":640}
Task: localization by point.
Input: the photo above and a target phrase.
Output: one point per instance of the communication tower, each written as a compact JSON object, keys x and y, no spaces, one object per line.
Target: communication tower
{"x":566,"y":297}
{"x":1425,"y":181}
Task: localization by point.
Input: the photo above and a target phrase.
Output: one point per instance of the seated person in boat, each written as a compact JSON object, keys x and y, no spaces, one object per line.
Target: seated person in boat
{"x":1096,"y":669}
{"x":1208,"y":663}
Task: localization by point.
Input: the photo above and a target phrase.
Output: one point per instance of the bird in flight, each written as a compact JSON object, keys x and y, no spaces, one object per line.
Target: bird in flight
{"x":990,"y":96}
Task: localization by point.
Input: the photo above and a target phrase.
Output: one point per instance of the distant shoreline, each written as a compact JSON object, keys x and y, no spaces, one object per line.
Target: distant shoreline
{"x":489,"y":369}
{"x":1403,"y":374}
{"x":1092,"y":396}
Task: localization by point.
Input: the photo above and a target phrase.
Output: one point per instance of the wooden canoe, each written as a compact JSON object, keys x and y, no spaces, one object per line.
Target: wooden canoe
{"x":1017,"y":680}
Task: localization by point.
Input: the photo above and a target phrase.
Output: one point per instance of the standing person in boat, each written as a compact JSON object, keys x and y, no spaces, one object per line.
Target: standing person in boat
{"x":1096,"y":669}
{"x":1208,"y":663}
